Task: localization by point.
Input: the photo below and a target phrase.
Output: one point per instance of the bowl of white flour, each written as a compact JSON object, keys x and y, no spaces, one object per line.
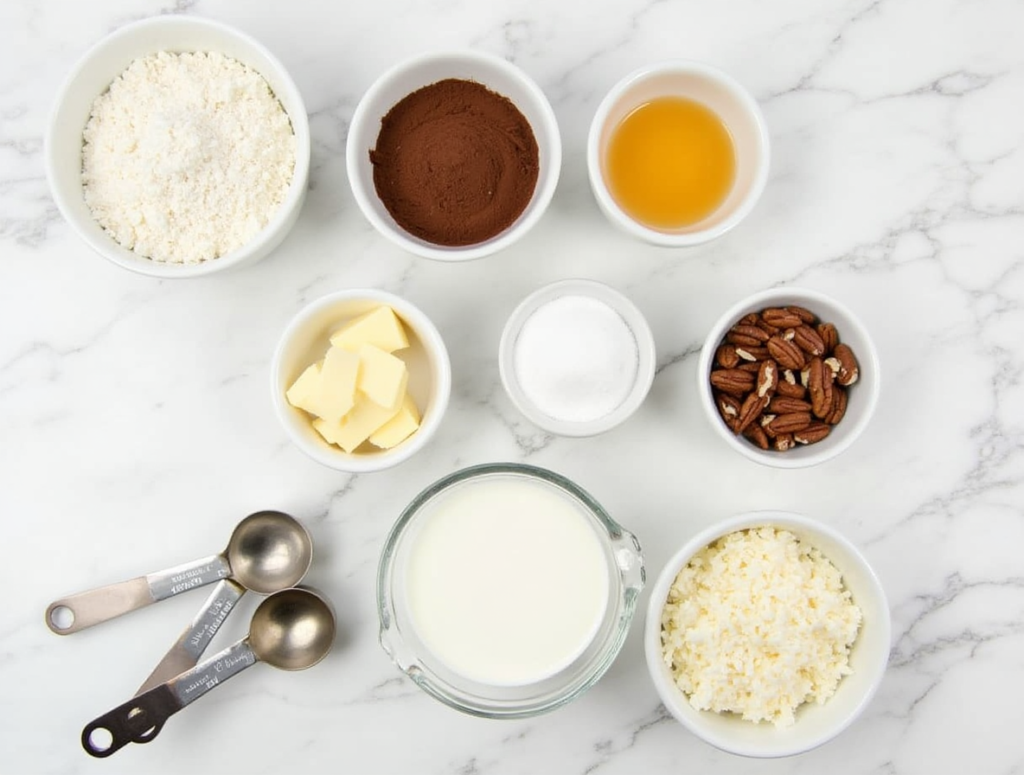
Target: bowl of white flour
{"x":179,"y":147}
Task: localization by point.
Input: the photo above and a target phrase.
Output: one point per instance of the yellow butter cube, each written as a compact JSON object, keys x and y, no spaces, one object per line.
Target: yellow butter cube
{"x":399,"y":427}
{"x":382,"y":377}
{"x":356,"y":426}
{"x":379,"y":327}
{"x":336,"y":394}
{"x":304,"y":391}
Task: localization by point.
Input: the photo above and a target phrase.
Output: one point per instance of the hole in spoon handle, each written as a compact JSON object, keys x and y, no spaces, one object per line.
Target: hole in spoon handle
{"x":137,"y":721}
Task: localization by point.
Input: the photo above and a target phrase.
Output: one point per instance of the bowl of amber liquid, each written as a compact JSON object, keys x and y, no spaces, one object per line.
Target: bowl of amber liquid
{"x":678,"y":153}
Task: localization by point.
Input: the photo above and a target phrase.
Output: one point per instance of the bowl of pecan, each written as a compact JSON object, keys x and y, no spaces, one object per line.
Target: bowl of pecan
{"x":789,"y":377}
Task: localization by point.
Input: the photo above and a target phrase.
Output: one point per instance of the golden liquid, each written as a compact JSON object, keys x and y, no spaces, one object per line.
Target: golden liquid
{"x":670,"y":163}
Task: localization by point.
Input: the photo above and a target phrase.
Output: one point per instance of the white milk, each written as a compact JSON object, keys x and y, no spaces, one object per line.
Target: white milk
{"x":507,"y":580}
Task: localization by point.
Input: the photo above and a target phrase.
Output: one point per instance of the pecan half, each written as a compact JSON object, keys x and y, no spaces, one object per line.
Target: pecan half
{"x":807,"y":339}
{"x":752,"y":407}
{"x":781,"y":318}
{"x":756,"y":434}
{"x":781,"y":404}
{"x":828,"y":335}
{"x":812,"y":434}
{"x":849,"y":370}
{"x":766,"y":424}
{"x":752,"y":366}
{"x":804,"y":314}
{"x":789,"y":423}
{"x":767,"y":327}
{"x":790,"y":389}
{"x":788,"y":355}
{"x":767,"y":379}
{"x":783,"y":442}
{"x":726,"y":357}
{"x":752,"y":353}
{"x":819,"y":385}
{"x":838,"y":410}
{"x":746,"y":336}
{"x":733,"y":381}
{"x":728,"y":407}
{"x":749,"y":319}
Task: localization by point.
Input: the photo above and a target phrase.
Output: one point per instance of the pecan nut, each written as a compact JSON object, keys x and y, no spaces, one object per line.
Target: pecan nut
{"x":808,"y":340}
{"x":781,"y":318}
{"x":849,"y":370}
{"x":781,"y":404}
{"x":812,"y":434}
{"x":756,"y":434}
{"x":790,"y":389}
{"x":784,"y":441}
{"x":729,"y":408}
{"x":804,"y":314}
{"x":726,"y":357}
{"x":746,"y":336}
{"x":751,"y":353}
{"x":789,"y":423}
{"x":838,"y":410}
{"x":829,"y":335}
{"x":767,"y":379}
{"x":736,"y":382}
{"x":752,"y":407}
{"x":819,"y":385}
{"x":788,"y":354}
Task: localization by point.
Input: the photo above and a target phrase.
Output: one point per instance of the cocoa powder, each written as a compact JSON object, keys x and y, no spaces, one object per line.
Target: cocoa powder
{"x":455,"y":163}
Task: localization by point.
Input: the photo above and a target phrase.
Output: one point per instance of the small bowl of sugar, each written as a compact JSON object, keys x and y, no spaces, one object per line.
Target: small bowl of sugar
{"x":577,"y":358}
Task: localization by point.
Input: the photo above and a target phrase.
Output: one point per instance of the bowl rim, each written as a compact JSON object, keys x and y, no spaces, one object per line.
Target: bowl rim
{"x":547,"y":179}
{"x":868,"y":360}
{"x":631,"y":576}
{"x":441,"y":380}
{"x":282,"y":219}
{"x":600,"y":189}
{"x":671,"y":697}
{"x":631,"y":316}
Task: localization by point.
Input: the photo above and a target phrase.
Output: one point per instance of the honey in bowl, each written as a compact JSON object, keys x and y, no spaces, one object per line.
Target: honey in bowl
{"x":670,"y":163}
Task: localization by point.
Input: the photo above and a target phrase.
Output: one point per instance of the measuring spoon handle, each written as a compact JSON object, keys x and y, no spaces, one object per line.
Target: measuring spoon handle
{"x":85,"y":609}
{"x":191,"y":644}
{"x":140,"y":719}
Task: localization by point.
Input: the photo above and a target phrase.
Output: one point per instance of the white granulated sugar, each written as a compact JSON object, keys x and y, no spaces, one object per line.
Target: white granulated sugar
{"x":576,"y":359}
{"x":187,"y":156}
{"x":758,"y":623}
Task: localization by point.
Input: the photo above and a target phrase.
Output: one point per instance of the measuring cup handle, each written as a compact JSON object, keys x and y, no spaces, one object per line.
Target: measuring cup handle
{"x":137,"y":721}
{"x":76,"y":612}
{"x":185,"y":653}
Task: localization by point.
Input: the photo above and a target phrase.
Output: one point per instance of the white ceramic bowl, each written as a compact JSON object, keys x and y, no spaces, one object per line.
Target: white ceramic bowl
{"x":93,"y":75}
{"x":634,"y":319}
{"x":306,"y":340}
{"x":862,"y":395}
{"x":815,"y":724}
{"x":497,"y":75}
{"x":721,"y":94}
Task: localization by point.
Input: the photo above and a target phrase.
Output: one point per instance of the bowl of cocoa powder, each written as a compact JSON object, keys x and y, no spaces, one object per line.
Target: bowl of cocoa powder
{"x":454,"y":156}
{"x":789,"y":377}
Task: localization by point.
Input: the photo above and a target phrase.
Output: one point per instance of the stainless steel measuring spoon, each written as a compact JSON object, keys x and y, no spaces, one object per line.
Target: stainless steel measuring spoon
{"x":268,"y":550}
{"x":291,"y":630}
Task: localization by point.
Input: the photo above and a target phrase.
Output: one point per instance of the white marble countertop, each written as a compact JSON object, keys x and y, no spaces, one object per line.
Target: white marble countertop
{"x":136,"y":426}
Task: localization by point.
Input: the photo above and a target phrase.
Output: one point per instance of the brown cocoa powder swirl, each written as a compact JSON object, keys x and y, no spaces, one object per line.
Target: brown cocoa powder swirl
{"x":455,"y":163}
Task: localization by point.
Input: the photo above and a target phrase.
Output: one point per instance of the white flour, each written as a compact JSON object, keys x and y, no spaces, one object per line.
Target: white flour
{"x":186,"y":157}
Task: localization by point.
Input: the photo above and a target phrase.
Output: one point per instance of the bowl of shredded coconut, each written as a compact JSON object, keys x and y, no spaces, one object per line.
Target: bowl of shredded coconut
{"x":767,"y":634}
{"x":179,"y":147}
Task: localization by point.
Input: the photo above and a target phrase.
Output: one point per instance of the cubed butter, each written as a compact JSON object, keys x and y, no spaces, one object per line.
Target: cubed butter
{"x":339,"y":376}
{"x":305,"y":390}
{"x":382,"y":377}
{"x":399,"y":427}
{"x":356,"y":426}
{"x":379,"y":327}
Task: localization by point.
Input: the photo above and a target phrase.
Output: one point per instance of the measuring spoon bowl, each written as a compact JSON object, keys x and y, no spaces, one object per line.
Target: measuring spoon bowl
{"x":268,"y":550}
{"x":293,"y":629}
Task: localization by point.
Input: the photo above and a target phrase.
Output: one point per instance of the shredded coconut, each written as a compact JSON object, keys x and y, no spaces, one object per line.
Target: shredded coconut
{"x":186,"y":156}
{"x":758,"y":623}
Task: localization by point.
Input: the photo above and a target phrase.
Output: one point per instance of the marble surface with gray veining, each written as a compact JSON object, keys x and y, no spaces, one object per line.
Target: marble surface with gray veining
{"x":136,"y":426}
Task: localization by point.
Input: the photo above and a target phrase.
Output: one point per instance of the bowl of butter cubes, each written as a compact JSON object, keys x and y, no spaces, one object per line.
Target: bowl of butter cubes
{"x":360,"y":380}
